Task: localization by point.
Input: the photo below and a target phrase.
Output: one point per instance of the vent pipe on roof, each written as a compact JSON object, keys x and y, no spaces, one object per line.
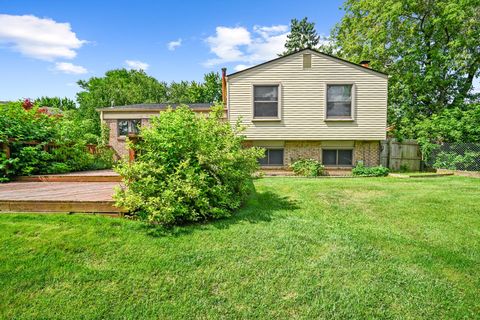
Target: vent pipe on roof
{"x":365,"y":63}
{"x":224,"y":86}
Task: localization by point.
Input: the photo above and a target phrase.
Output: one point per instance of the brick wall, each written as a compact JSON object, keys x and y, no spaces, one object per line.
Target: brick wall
{"x":119,"y":145}
{"x":295,"y":150}
{"x":368,"y":152}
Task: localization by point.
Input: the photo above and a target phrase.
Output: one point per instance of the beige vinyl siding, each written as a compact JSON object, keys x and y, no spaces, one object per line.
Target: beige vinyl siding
{"x":303,"y":100}
{"x":112,"y":115}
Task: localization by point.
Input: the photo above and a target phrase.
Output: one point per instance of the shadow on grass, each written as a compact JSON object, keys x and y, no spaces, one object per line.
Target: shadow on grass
{"x":260,"y":207}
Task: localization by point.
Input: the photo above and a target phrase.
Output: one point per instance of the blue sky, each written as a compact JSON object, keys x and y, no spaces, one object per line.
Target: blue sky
{"x":46,"y":46}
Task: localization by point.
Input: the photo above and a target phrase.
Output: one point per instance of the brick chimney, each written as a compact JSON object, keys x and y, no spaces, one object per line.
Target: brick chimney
{"x":365,"y":63}
{"x":224,"y":86}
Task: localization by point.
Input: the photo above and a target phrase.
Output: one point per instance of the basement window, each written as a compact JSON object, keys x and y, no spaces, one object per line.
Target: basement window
{"x":337,"y":157}
{"x":273,"y":157}
{"x":126,"y":127}
{"x":266,"y":102}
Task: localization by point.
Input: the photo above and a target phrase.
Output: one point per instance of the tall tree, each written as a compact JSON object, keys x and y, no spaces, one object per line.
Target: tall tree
{"x":208,"y":91}
{"x":430,"y":48}
{"x":118,"y":87}
{"x":212,"y":87}
{"x":302,"y":35}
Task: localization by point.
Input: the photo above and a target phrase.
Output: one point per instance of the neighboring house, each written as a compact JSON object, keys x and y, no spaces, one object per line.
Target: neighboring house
{"x":303,"y":105}
{"x":125,"y":120}
{"x":311,"y":105}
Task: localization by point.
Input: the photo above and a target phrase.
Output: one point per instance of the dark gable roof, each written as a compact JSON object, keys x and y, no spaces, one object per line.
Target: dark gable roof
{"x":315,"y":51}
{"x":157,"y":106}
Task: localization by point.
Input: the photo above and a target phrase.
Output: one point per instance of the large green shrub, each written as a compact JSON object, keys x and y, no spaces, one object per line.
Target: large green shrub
{"x":361,"y":170}
{"x":308,"y":168}
{"x":41,"y":144}
{"x":189,"y":167}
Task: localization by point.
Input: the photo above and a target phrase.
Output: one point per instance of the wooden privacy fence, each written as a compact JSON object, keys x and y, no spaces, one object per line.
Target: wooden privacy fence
{"x":401,"y":155}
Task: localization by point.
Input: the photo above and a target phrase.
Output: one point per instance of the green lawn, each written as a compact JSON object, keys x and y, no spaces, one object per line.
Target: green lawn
{"x":301,"y":248}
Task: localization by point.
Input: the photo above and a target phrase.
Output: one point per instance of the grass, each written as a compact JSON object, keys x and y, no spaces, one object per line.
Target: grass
{"x":301,"y":248}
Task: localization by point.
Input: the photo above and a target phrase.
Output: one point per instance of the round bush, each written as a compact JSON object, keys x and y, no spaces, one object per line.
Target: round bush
{"x":308,"y":168}
{"x":189,"y":167}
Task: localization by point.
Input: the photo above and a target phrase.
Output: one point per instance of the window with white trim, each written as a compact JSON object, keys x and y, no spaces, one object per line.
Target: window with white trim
{"x":273,"y":157}
{"x":265,"y":101}
{"x":339,"y":101}
{"x":130,"y":126}
{"x":337,"y":157}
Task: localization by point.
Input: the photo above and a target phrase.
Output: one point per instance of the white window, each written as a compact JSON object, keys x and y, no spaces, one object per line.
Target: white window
{"x":337,"y":157}
{"x":339,"y":101}
{"x":126,"y":127}
{"x":266,"y":101}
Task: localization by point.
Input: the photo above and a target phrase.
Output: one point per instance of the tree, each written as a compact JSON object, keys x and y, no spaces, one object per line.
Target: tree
{"x":56,"y":102}
{"x":302,"y":35}
{"x":118,"y":87}
{"x":178,"y":92}
{"x":430,"y":49}
{"x":210,"y":91}
{"x":212,"y":87}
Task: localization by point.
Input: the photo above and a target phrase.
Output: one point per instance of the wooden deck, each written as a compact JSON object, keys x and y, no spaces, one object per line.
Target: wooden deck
{"x":88,"y":195}
{"x":85,"y":176}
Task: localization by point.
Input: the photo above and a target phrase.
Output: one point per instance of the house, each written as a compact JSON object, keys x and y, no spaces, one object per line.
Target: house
{"x":304,"y":105}
{"x":311,"y":105}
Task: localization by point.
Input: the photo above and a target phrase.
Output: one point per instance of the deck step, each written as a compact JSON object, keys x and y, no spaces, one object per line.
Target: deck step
{"x":59,"y":206}
{"x":69,"y":178}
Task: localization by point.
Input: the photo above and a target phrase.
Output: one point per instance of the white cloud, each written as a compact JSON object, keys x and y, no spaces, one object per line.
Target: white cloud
{"x":135,"y":64}
{"x":272,"y":30}
{"x":237,"y":44}
{"x":240,"y":67}
{"x":39,"y":38}
{"x":227,"y":43}
{"x":172,"y":45}
{"x":70,"y":68}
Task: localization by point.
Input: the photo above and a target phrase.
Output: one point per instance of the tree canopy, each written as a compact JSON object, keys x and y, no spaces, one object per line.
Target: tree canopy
{"x":430,"y":49}
{"x":302,"y":35}
{"x":56,"y":102}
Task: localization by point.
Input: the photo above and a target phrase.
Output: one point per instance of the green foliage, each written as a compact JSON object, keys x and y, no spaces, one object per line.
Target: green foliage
{"x":302,"y":35}
{"x":41,"y":144}
{"x":308,"y":168}
{"x":361,"y":170}
{"x":456,"y":161}
{"x":56,"y":102}
{"x":23,"y":125}
{"x":429,"y":49}
{"x":32,"y":160}
{"x":451,"y":125}
{"x":189,"y":168}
